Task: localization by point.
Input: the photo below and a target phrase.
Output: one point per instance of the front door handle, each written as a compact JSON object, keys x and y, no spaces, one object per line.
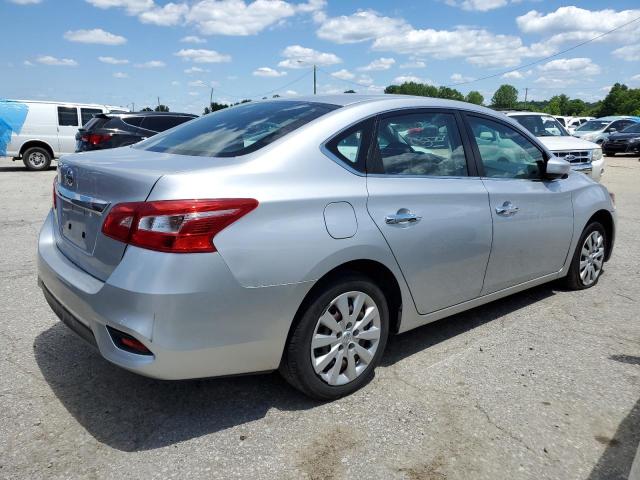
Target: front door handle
{"x":402,"y":217}
{"x":507,"y":209}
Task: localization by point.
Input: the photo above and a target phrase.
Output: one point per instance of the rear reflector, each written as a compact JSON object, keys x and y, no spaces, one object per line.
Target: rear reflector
{"x":177,"y":226}
{"x":126,"y":342}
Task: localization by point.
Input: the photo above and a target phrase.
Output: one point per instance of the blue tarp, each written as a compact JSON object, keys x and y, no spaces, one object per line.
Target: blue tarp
{"x":12,"y":117}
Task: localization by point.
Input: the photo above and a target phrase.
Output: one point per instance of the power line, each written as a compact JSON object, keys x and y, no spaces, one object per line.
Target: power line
{"x":530,"y":64}
{"x":264,"y":94}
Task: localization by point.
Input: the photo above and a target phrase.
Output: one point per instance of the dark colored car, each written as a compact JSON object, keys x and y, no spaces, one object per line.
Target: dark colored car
{"x":626,"y":141}
{"x":111,"y":130}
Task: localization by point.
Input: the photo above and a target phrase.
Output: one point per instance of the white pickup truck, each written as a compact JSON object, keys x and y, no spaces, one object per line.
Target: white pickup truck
{"x":584,"y":156}
{"x":39,"y":131}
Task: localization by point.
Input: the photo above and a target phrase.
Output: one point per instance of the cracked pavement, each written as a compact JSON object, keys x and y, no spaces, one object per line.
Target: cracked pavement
{"x":544,"y":384}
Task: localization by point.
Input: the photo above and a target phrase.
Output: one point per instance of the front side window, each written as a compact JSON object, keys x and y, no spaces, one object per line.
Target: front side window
{"x":633,"y":128}
{"x":238,"y":130}
{"x":67,"y":116}
{"x":505,"y":152}
{"x":88,"y":113}
{"x":592,"y":126}
{"x":425,"y":144}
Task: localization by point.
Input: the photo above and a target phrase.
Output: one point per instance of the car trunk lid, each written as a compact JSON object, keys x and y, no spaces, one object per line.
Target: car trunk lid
{"x":89,"y":184}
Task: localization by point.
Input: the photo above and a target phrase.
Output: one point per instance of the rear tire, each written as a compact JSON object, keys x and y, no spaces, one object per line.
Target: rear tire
{"x":36,"y":159}
{"x":588,"y":260}
{"x":347,"y":347}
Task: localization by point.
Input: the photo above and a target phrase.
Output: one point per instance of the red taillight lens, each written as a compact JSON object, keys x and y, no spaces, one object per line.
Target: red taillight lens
{"x":178,"y":226}
{"x":95,"y":138}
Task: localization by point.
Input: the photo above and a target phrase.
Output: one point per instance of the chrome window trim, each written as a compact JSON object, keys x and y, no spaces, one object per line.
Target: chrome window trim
{"x":86,"y":202}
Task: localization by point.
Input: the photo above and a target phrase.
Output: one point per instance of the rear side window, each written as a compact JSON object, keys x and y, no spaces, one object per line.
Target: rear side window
{"x":424,"y":144}
{"x":67,"y":116}
{"x":350,"y":146}
{"x":162,"y":123}
{"x":133,"y":121}
{"x":88,"y":113}
{"x":238,"y":130}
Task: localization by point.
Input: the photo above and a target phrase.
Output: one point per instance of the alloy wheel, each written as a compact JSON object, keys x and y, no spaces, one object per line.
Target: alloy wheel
{"x":591,"y":258}
{"x":346,"y":338}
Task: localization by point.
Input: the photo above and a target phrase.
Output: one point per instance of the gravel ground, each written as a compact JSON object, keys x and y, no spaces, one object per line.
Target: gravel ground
{"x":544,"y":384}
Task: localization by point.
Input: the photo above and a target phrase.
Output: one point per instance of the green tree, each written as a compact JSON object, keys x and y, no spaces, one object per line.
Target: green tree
{"x":621,"y":100}
{"x":349,"y":91}
{"x":162,"y":108}
{"x":146,"y":109}
{"x":213,"y":107}
{"x":450,"y":94}
{"x":413,"y":88}
{"x":505,"y":97}
{"x":474,"y":97}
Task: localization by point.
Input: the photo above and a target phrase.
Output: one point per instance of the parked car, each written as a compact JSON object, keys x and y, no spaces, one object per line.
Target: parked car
{"x":122,"y":129}
{"x":626,"y":141}
{"x":584,"y":156}
{"x":575,"y":122}
{"x":208,"y":250}
{"x":42,"y":131}
{"x":599,"y":129}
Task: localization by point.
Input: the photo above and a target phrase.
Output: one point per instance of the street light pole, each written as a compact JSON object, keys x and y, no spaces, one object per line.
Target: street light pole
{"x":314,"y":79}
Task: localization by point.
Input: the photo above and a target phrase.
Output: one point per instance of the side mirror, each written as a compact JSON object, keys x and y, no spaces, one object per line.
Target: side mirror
{"x":557,"y":168}
{"x":611,"y":130}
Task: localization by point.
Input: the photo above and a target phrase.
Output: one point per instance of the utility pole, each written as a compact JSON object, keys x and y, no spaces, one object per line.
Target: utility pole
{"x":314,"y":78}
{"x":158,"y":101}
{"x":211,"y":98}
{"x":526,"y":94}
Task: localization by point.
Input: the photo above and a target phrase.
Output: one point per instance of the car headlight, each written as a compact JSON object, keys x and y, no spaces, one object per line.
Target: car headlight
{"x":597,"y":154}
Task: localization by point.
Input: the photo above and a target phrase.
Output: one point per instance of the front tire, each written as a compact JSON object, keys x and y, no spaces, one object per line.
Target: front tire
{"x":36,"y":159}
{"x":588,"y":259}
{"x":339,"y":339}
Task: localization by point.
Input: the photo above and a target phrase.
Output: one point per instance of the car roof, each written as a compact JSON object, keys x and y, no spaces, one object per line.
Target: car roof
{"x":381,"y":100}
{"x":620,"y":117}
{"x":515,"y":114}
{"x":146,"y":114}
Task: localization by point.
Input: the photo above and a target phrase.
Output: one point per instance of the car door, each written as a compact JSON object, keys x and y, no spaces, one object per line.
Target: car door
{"x":532,"y":217}
{"x":68,"y":125}
{"x":430,"y":205}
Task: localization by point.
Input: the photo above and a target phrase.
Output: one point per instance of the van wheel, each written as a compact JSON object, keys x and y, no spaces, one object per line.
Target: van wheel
{"x":588,"y":260}
{"x":36,"y":158}
{"x":335,"y":347}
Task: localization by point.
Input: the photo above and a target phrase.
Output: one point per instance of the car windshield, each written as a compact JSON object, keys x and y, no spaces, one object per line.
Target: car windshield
{"x":593,"y":126}
{"x":635,"y":128}
{"x":541,"y":125}
{"x":236,"y":131}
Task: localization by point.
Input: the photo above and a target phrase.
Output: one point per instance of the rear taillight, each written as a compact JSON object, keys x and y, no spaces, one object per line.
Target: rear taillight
{"x":95,"y":138}
{"x":178,"y":226}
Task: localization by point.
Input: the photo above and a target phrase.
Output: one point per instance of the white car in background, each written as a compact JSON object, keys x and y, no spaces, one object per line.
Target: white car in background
{"x":583,"y":155}
{"x":39,"y":131}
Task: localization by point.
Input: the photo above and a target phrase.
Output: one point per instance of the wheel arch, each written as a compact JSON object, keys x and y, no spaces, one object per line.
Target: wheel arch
{"x":36,"y":143}
{"x":379,"y":273}
{"x":605,"y":218}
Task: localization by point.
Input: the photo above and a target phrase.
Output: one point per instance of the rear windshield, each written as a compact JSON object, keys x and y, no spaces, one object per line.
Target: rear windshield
{"x":236,"y":131}
{"x":96,"y":122}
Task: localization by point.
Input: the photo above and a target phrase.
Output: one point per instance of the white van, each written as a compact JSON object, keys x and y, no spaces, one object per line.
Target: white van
{"x":39,"y":131}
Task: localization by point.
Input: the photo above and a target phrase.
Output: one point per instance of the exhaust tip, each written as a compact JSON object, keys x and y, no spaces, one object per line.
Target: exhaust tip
{"x":126,"y":342}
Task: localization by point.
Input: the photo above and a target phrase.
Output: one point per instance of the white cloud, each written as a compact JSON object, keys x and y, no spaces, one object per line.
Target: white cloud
{"x":151,"y":64}
{"x":566,"y":71}
{"x":96,"y":35}
{"x":202,"y":55}
{"x":268,"y":72}
{"x":235,"y":17}
{"x":477,"y":5}
{"x":197,"y":84}
{"x":291,"y":93}
{"x":167,"y":15}
{"x":58,"y":62}
{"x":25,"y":2}
{"x":175,"y":83}
{"x":343,"y":74}
{"x":636,"y":78}
{"x":192,"y":39}
{"x":27,"y":63}
{"x":459,"y":78}
{"x":113,"y":61}
{"x":413,"y":64}
{"x":379,"y":64}
{"x":133,"y":7}
{"x":120,"y":75}
{"x":630,"y":53}
{"x":516,"y":75}
{"x":359,"y":27}
{"x":365,"y":80}
{"x":300,"y":57}
{"x":191,"y":70}
{"x":194,"y":94}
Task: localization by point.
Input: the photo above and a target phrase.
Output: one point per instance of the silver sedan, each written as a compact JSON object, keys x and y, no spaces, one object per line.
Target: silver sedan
{"x":299,"y":234}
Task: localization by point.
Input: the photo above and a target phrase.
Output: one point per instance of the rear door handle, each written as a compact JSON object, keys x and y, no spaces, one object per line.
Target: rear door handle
{"x":507,"y":209}
{"x":402,"y":217}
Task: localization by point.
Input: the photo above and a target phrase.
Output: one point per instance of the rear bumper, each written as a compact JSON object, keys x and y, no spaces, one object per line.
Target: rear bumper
{"x":187,"y":309}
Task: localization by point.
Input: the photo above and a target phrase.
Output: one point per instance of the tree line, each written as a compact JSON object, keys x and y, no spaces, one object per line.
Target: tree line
{"x":621,"y":100}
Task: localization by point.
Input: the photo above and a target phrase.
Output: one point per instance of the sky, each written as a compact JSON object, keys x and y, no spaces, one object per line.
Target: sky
{"x":130,"y":52}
